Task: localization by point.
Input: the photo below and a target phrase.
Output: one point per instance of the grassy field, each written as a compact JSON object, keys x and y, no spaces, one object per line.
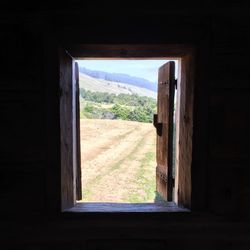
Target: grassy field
{"x":118,"y":161}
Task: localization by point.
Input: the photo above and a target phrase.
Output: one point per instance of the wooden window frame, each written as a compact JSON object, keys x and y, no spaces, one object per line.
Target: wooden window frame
{"x":185,"y":54}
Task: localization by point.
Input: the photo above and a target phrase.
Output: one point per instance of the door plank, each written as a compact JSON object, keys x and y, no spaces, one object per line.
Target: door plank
{"x":78,"y":144}
{"x":66,"y":130}
{"x":164,"y":141}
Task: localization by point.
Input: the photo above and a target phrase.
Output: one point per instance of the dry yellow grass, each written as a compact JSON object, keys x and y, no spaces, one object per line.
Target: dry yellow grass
{"x":118,"y":161}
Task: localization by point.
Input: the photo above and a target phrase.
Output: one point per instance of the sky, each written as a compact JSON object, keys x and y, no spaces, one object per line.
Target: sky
{"x":147,"y":69}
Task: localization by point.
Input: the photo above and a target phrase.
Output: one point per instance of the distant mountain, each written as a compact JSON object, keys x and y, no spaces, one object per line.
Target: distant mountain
{"x":119,"y":77}
{"x":99,"y":85}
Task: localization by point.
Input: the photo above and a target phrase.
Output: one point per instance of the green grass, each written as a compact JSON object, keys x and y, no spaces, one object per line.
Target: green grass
{"x":146,"y":185}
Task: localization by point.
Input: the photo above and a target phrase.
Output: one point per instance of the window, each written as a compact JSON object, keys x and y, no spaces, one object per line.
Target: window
{"x":69,"y":117}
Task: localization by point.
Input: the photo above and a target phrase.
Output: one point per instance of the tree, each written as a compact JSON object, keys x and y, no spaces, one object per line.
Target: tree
{"x":120,"y":112}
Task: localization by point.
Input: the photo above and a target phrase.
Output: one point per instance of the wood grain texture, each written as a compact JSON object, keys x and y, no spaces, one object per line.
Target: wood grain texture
{"x":184,"y":132}
{"x":78,"y":144}
{"x":126,"y":207}
{"x":130,"y":51}
{"x":66,"y":129}
{"x":164,"y":142}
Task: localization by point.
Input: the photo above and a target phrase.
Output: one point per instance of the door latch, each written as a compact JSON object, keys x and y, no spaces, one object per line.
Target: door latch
{"x":157,"y":125}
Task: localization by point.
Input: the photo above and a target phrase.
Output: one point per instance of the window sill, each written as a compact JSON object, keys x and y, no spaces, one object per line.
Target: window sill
{"x":97,"y":207}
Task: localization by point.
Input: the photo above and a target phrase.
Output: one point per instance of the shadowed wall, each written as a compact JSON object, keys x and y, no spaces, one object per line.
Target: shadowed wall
{"x":29,"y":111}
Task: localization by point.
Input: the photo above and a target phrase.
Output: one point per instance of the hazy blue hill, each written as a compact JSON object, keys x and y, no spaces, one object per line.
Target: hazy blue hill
{"x":123,"y":78}
{"x":100,"y":85}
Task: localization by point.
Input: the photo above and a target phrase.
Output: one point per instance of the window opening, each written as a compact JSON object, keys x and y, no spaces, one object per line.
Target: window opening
{"x":120,"y":104}
{"x":180,"y":189}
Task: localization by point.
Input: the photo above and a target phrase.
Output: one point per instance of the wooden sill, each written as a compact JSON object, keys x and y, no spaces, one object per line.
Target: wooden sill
{"x":125,"y":207}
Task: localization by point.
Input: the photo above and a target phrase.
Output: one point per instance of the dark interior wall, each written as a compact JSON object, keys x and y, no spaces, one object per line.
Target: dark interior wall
{"x":29,"y":149}
{"x":229,"y":111}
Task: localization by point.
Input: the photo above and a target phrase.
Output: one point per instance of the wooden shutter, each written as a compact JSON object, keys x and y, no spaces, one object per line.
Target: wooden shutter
{"x":69,"y":127}
{"x":163,"y":122}
{"x":78,"y":142}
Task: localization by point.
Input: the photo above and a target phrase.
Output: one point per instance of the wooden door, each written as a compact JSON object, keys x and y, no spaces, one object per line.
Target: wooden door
{"x":69,"y":130}
{"x":78,"y":135}
{"x":163,"y":122}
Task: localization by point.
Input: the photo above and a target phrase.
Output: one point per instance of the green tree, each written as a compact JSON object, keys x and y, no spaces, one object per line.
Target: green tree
{"x":120,"y":111}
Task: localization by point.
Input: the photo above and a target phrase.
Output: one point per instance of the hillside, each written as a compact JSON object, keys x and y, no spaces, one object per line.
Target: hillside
{"x":120,"y":77}
{"x":100,"y":85}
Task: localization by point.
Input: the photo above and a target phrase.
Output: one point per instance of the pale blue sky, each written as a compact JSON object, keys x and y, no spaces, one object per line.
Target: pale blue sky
{"x":147,"y":69}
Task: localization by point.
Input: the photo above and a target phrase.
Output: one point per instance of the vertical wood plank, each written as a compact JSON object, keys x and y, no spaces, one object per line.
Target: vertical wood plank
{"x":66,"y":130}
{"x":78,"y":144}
{"x":184,"y":160}
{"x":164,"y":142}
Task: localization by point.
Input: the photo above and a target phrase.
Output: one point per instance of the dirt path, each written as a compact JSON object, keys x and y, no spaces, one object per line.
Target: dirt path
{"x":118,"y":161}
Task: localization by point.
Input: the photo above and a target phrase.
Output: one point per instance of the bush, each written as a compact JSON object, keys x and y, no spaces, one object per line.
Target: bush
{"x":89,"y":108}
{"x":125,"y":106}
{"x":120,"y":112}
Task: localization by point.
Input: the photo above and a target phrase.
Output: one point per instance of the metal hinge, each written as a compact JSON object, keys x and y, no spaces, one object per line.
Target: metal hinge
{"x":163,"y":176}
{"x":173,"y":182}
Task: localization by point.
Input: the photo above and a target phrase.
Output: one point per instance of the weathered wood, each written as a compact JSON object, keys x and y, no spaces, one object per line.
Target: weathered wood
{"x":66,"y":130}
{"x":30,"y":224}
{"x":184,"y":133}
{"x":130,"y":51}
{"x":157,"y":125}
{"x":78,"y":144}
{"x":126,"y":207}
{"x":164,"y":142}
